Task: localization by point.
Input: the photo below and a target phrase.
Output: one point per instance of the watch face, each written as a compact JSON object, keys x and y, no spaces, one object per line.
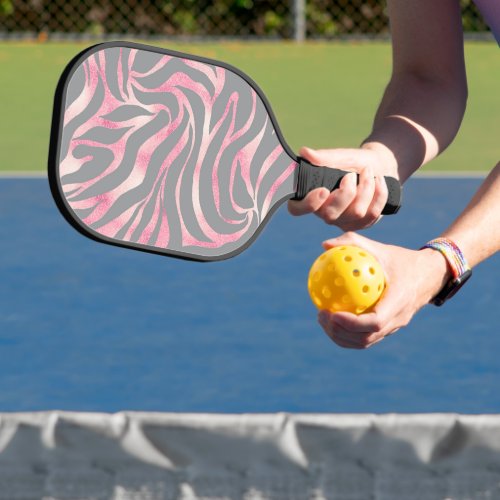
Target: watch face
{"x":451,"y":288}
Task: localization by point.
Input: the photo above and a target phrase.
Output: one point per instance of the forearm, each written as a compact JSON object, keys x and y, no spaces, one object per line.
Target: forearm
{"x":477,"y":230}
{"x":424,"y":103}
{"x":416,"y":120}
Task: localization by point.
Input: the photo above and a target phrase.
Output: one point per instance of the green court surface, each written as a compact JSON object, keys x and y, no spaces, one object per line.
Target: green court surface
{"x":323,"y":94}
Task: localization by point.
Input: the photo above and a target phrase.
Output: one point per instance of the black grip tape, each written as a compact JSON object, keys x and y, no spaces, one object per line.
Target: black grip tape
{"x":394,"y":197}
{"x":312,"y":177}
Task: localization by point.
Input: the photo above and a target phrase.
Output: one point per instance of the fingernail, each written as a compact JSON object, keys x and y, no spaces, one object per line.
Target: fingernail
{"x":324,"y":194}
{"x":346,"y":179}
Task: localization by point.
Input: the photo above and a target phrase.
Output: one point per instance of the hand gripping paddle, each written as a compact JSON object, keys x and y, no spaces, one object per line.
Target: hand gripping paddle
{"x":171,"y":153}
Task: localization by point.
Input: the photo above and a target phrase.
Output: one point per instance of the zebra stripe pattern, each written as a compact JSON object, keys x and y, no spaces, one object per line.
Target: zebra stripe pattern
{"x":169,"y":153}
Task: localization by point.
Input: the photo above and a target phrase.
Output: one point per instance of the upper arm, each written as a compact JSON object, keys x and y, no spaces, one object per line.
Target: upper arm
{"x":427,"y":40}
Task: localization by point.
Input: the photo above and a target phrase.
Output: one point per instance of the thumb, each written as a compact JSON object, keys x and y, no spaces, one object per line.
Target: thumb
{"x":349,"y":238}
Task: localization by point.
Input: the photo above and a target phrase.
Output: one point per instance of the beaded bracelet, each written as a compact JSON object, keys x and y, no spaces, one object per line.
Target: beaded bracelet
{"x":452,"y":254}
{"x":460,"y":269}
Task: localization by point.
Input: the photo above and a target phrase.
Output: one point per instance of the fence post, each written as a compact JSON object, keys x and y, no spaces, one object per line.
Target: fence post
{"x":299,"y":20}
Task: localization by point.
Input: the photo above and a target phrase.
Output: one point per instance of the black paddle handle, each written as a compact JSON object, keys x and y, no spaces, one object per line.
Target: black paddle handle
{"x":311,"y":177}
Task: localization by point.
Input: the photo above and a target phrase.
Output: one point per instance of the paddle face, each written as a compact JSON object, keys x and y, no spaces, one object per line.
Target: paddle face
{"x":165,"y":152}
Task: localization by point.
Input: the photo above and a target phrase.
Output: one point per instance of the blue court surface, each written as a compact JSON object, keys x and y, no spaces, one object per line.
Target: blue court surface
{"x":91,"y":327}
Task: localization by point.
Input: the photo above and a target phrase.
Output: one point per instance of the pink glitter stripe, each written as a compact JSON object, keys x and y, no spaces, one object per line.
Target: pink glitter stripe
{"x":171,"y":157}
{"x":230,"y":107}
{"x":164,"y":232}
{"x":268,"y":163}
{"x":279,"y":181}
{"x":85,"y":97}
{"x":219,"y":240}
{"x":120,"y":74}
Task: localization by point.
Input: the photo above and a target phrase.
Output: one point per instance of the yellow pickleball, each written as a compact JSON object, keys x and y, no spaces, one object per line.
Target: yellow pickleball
{"x":346,"y":278}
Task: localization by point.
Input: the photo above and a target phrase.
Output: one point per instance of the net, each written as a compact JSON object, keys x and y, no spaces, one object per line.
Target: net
{"x":153,"y":456}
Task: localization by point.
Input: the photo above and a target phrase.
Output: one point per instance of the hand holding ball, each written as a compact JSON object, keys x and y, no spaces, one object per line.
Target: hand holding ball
{"x":346,"y":278}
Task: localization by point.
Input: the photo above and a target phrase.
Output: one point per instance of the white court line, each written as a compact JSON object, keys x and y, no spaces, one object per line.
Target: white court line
{"x":23,"y":175}
{"x":454,"y":174}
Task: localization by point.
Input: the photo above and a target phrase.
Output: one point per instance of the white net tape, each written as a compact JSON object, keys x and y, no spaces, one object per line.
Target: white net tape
{"x":160,"y":456}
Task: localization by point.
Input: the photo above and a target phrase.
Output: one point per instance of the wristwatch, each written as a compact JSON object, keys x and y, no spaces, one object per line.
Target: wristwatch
{"x":460,"y":270}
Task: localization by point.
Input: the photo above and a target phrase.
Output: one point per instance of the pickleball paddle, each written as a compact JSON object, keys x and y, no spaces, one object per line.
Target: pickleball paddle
{"x":171,"y":153}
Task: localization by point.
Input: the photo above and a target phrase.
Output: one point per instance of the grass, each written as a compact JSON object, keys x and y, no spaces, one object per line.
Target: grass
{"x":323,"y":94}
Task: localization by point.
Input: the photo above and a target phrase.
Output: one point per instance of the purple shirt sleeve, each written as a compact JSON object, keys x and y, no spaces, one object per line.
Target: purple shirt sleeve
{"x":490,"y":9}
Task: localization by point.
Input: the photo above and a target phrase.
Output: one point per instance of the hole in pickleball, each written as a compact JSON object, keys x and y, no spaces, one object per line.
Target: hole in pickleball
{"x":336,"y":306}
{"x":339,"y":281}
{"x":366,"y":289}
{"x":330,"y":268}
{"x":360,"y":309}
{"x":346,"y":299}
{"x":363,"y":254}
{"x":348,"y":258}
{"x":327,"y":293}
{"x":356,"y":273}
{"x":379,"y":288}
{"x":372,"y":270}
{"x":317,"y":276}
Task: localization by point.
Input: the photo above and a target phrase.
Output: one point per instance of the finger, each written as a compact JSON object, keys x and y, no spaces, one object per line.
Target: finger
{"x":361,"y":340}
{"x":375,"y":339}
{"x":380,"y":196}
{"x":344,"y":344}
{"x":311,"y":203}
{"x":393,"y":332}
{"x":359,"y":224}
{"x":362,"y":324}
{"x":324,"y":318}
{"x":348,"y":238}
{"x":372,"y":343}
{"x":385,"y":318}
{"x":347,"y":338}
{"x":374,"y":221}
{"x":340,"y":335}
{"x":365,"y":191}
{"x":341,"y":339}
{"x":366,"y":209}
{"x":353,"y":341}
{"x":312,"y":156}
{"x":338,"y":201}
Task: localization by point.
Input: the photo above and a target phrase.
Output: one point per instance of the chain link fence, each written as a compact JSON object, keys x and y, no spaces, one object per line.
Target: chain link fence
{"x":206,"y":18}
